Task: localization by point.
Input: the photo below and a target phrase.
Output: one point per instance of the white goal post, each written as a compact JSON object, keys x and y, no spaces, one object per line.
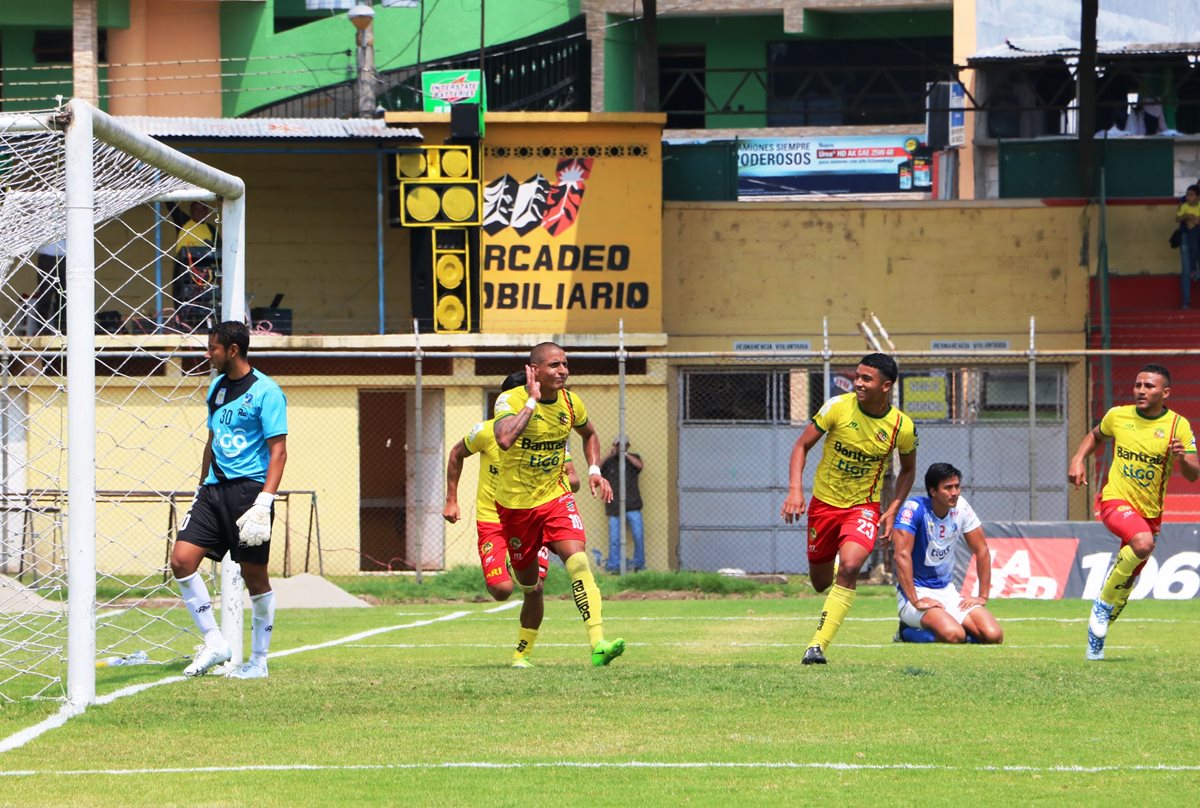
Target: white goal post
{"x":68,"y":198}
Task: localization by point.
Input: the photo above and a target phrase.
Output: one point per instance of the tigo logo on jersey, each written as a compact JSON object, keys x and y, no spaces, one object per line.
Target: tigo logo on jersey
{"x":1034,"y":568}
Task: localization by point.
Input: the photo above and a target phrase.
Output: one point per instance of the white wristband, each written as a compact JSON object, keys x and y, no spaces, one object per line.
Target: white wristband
{"x":593,"y":470}
{"x":264,"y":499}
{"x":531,"y":404}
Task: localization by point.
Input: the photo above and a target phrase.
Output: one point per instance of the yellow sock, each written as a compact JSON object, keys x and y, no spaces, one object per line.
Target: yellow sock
{"x":837,"y":605}
{"x":526,"y":637}
{"x":586,"y":595}
{"x":1118,"y":579}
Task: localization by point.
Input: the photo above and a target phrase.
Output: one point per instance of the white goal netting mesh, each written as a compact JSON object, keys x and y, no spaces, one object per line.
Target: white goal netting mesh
{"x":156,"y":295}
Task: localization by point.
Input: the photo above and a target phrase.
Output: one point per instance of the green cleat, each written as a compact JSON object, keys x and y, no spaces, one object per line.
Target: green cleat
{"x":521,"y":662}
{"x":605,"y":651}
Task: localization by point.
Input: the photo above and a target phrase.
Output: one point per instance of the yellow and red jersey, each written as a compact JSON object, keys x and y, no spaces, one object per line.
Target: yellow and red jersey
{"x":1142,"y":461}
{"x":531,"y":471}
{"x":856,"y":451}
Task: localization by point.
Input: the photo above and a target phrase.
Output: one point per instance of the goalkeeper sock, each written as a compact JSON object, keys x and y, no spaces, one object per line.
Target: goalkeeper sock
{"x":195,"y":596}
{"x":262,"y":622}
{"x":526,"y":637}
{"x":1120,"y":579}
{"x":586,"y":595}
{"x":837,"y":605}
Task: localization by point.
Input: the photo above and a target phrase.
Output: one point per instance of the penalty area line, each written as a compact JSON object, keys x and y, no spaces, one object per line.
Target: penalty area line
{"x":68,"y":711}
{"x":629,"y":764}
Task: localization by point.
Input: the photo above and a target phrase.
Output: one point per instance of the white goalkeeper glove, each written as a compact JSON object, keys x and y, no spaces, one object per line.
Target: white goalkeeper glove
{"x":254,"y":526}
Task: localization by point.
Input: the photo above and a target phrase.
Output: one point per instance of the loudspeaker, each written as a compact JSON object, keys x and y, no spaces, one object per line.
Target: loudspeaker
{"x":464,"y":122}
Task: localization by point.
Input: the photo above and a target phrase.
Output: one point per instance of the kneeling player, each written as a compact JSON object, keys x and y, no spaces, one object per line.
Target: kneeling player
{"x":926,"y":534}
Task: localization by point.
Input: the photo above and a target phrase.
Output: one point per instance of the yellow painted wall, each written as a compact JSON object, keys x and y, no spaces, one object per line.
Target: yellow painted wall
{"x":928,"y":271}
{"x":167,"y":61}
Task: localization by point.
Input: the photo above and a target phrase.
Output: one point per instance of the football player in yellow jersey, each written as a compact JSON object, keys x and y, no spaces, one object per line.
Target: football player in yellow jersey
{"x":532,"y":426}
{"x":861,"y":429}
{"x":493,"y":550}
{"x":1148,"y":440}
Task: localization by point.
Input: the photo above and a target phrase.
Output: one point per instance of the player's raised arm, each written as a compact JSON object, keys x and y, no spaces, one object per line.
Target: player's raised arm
{"x":510,"y":423}
{"x":794,"y":504}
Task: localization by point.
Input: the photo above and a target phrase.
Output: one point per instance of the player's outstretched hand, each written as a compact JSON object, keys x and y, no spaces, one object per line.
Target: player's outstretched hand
{"x":601,"y":488}
{"x":254,"y":526}
{"x":793,"y":506}
{"x":1077,"y":475}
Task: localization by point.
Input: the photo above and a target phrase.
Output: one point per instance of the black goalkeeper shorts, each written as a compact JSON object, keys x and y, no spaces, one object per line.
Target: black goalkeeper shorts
{"x":212,"y":521}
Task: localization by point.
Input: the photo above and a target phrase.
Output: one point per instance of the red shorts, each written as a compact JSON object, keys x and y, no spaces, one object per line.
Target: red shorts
{"x":1124,"y":521}
{"x":530,"y":529}
{"x":828,"y":527}
{"x":493,"y":552}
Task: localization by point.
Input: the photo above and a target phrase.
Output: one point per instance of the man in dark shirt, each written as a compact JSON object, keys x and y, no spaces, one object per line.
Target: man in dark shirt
{"x":611,"y":471}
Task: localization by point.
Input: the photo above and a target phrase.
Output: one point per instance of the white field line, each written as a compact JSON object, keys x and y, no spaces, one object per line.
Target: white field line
{"x":483,"y":645}
{"x":630,"y":764}
{"x":22,"y":737}
{"x":783,"y":618}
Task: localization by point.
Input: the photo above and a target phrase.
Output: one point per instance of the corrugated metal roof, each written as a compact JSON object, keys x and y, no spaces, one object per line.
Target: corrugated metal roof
{"x":272,"y":128}
{"x":1064,"y":47}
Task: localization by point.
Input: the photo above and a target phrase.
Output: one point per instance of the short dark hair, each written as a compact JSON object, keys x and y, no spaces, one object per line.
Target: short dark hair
{"x":535,"y":355}
{"x":1160,"y":370}
{"x":883,"y":363}
{"x":938,"y":473}
{"x":232,"y":332}
{"x":1195,"y":188}
{"x":514,"y":379}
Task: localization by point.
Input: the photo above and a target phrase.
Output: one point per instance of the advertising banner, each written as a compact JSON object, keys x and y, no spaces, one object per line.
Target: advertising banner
{"x":1055,"y":560}
{"x":830,"y":165}
{"x":572,"y":229}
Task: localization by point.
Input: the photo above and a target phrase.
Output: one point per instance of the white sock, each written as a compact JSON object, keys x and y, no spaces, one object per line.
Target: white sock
{"x":195,"y":596}
{"x":262,"y":621}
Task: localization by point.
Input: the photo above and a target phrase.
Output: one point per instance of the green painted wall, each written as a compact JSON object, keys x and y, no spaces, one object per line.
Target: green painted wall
{"x":739,"y":43}
{"x":321,"y":53}
{"x":18,"y":22}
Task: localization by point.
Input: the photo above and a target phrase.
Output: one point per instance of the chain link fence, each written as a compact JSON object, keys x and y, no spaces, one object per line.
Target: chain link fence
{"x":713,"y":431}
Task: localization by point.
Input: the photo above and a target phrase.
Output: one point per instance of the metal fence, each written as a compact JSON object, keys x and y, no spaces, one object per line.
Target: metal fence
{"x":713,"y":430}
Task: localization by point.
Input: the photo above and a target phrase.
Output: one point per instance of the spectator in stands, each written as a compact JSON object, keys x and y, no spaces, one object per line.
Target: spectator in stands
{"x":1149,"y":442}
{"x":926,"y":536}
{"x":610,"y":469}
{"x":196,"y":232}
{"x":1188,"y":216}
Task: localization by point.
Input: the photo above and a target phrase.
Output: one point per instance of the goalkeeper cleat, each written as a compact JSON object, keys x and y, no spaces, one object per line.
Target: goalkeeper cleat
{"x":249,"y":670}
{"x":605,"y":651}
{"x":207,"y":657}
{"x":1099,"y":619}
{"x":521,"y":662}
{"x":814,"y":656}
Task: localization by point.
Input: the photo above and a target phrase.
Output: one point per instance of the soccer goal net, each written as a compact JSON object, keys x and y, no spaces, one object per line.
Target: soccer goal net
{"x":117,"y":253}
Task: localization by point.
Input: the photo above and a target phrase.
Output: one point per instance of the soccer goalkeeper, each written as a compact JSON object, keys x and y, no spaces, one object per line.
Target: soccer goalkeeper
{"x":234,"y":505}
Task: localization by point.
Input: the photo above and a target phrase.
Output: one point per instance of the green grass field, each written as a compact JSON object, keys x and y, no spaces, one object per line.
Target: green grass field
{"x":709,"y":706}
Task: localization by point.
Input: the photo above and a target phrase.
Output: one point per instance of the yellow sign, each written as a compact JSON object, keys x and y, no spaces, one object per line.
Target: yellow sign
{"x":924,"y":397}
{"x":572,"y":227}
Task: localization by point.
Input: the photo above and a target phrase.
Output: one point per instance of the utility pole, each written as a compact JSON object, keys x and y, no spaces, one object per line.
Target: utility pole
{"x":1086,"y":96}
{"x":646,"y":89}
{"x":363,"y":17}
{"x":85,"y":77}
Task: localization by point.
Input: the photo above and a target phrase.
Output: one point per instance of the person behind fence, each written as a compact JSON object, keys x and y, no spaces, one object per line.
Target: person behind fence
{"x":1188,"y":216}
{"x":196,"y":258}
{"x":49,"y":298}
{"x":1149,"y":440}
{"x":532,"y":427}
{"x":493,"y":549}
{"x":610,"y":468}
{"x":844,"y":519}
{"x":924,"y":540}
{"x":234,"y":506}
